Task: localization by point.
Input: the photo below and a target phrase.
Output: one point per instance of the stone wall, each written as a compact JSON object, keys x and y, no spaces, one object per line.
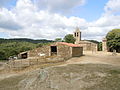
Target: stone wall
{"x":104,"y":45}
{"x":63,"y":51}
{"x":39,"y":51}
{"x":88,"y":46}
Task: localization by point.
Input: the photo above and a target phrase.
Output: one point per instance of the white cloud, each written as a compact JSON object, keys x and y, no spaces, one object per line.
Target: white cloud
{"x":99,"y":28}
{"x":38,"y":24}
{"x":113,"y":6}
{"x":47,"y":25}
{"x":58,"y":5}
{"x":26,"y":20}
{"x":109,"y":20}
{"x":106,"y":21}
{"x":8,"y":21}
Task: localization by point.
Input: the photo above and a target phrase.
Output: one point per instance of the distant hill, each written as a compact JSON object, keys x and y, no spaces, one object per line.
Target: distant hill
{"x":12,"y":47}
{"x":2,"y":40}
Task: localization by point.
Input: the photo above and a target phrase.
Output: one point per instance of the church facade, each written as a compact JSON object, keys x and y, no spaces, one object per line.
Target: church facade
{"x":87,"y":45}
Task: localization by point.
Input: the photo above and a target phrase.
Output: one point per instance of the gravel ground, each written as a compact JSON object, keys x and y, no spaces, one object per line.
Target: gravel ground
{"x":98,"y":71}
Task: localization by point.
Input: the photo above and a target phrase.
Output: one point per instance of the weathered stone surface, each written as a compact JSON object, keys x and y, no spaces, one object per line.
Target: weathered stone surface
{"x":88,"y":46}
{"x":72,"y":77}
{"x":64,"y":52}
{"x":104,"y":45}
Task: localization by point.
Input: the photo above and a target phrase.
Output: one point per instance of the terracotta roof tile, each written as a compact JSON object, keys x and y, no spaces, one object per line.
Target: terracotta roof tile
{"x":69,"y":44}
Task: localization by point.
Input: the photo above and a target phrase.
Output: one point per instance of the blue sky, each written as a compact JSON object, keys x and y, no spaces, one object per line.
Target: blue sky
{"x":3,"y":35}
{"x":50,"y":19}
{"x":8,"y":3}
{"x":92,"y":10}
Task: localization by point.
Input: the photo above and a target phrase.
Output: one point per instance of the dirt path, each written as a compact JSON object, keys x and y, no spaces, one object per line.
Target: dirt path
{"x":95,"y":58}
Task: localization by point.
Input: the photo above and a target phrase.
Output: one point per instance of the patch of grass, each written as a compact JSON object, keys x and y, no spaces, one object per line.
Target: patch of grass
{"x":114,"y":71}
{"x":3,"y":60}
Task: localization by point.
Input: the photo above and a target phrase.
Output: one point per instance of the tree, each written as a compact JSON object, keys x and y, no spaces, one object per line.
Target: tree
{"x":12,"y":47}
{"x":100,"y":46}
{"x":69,"y":38}
{"x":113,"y":40}
{"x":8,"y":49}
{"x":94,"y":41}
{"x":2,"y":55}
{"x":58,"y":40}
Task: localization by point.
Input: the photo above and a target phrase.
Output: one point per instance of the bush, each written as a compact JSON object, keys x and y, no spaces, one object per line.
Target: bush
{"x":69,"y":38}
{"x":113,"y":40}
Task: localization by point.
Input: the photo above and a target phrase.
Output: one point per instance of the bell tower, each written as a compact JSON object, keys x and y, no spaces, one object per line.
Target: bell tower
{"x":77,"y":35}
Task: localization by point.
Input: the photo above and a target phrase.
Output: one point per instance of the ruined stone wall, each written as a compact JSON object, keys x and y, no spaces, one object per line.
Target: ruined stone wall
{"x":42,"y":50}
{"x":63,"y":51}
{"x":104,"y":45}
{"x":88,"y":46}
{"x":84,"y":46}
{"x":94,"y":47}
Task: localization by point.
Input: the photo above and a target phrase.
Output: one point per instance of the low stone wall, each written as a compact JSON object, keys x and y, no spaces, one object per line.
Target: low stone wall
{"x":23,"y":63}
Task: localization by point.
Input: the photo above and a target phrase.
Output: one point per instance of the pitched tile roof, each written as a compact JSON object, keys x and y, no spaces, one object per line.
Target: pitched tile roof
{"x":69,"y":44}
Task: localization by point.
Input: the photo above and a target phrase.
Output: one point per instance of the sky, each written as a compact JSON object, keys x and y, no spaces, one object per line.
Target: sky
{"x":50,"y":19}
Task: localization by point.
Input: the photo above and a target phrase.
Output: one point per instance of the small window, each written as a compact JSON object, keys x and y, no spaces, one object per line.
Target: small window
{"x":24,"y":56}
{"x":53,"y":50}
{"x":77,"y":34}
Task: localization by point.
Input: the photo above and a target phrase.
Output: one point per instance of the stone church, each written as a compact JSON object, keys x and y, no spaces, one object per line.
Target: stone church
{"x":87,"y":45}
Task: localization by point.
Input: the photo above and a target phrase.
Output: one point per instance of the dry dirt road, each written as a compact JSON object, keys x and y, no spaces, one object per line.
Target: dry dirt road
{"x":94,"y":71}
{"x":96,"y":58}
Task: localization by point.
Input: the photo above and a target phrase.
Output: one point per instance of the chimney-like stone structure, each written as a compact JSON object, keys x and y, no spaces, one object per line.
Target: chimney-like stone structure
{"x":104,"y":45}
{"x":77,"y":35}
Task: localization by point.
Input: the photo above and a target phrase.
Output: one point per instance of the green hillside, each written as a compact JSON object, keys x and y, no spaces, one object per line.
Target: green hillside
{"x":12,"y":47}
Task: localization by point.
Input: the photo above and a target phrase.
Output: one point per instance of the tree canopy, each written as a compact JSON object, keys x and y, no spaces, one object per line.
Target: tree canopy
{"x":12,"y":47}
{"x":113,"y":40}
{"x":58,"y":40}
{"x":69,"y":38}
{"x":2,"y":40}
